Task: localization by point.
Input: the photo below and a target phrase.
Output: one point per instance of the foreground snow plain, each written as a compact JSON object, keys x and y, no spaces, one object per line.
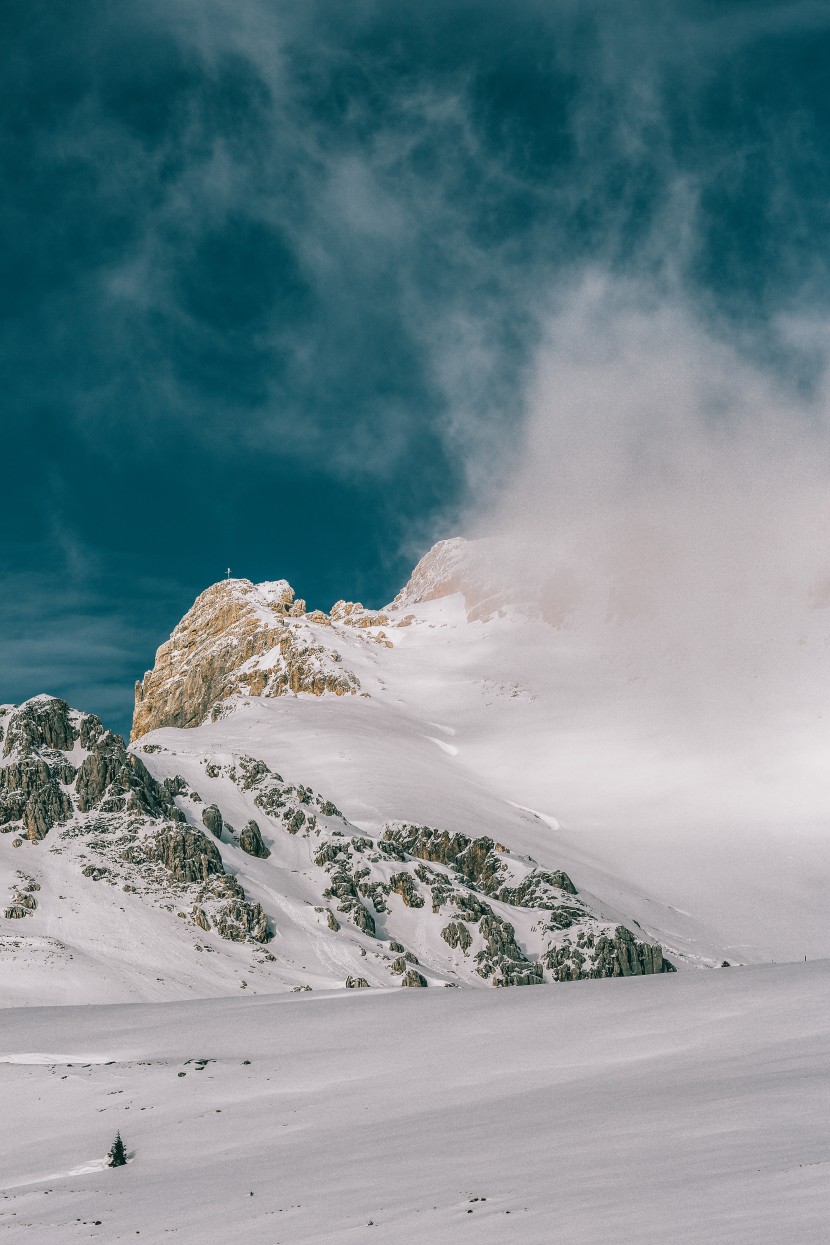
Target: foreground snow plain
{"x":687,"y":1108}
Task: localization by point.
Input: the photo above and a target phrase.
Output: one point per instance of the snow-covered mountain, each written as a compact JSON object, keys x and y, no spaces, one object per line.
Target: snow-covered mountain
{"x":350,"y":802}
{"x":315,"y":800}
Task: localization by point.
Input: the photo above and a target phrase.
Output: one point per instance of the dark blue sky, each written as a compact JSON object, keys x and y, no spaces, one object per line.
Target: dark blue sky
{"x":274,"y":274}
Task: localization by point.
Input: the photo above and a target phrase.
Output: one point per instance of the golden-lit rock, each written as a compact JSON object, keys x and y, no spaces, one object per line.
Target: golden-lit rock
{"x":236,"y":640}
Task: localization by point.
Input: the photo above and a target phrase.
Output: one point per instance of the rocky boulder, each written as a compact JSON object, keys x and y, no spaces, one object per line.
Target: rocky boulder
{"x":212,"y":819}
{"x":250,"y":840}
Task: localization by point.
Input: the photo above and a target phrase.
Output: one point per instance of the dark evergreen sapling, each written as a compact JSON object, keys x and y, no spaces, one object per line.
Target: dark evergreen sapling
{"x":118,"y":1153}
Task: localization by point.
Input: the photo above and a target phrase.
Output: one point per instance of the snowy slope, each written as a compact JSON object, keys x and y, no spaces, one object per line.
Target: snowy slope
{"x":685,"y":1108}
{"x":227,"y":876}
{"x":481,"y":709}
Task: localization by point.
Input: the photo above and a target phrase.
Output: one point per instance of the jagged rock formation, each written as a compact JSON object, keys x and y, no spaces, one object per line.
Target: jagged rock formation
{"x":133,"y":832}
{"x":240,"y":922}
{"x":238,"y":638}
{"x":607,"y":955}
{"x":23,"y":902}
{"x":187,"y":854}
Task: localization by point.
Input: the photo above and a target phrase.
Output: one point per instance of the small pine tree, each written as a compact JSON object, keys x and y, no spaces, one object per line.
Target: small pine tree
{"x":118,"y":1154}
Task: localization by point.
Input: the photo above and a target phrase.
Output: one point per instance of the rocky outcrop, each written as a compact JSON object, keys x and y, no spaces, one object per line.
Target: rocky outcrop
{"x":31,"y":793}
{"x":242,"y":921}
{"x":403,"y":884}
{"x":354,"y":614}
{"x":478,"y":863}
{"x":212,"y":819}
{"x":16,"y":911}
{"x":456,"y":934}
{"x":238,"y":638}
{"x":41,"y":788}
{"x":43,"y":722}
{"x":413,"y":978}
{"x":473,"y":859}
{"x":615,"y":953}
{"x":626,"y":957}
{"x":113,"y":780}
{"x":187,"y":854}
{"x":250,"y":840}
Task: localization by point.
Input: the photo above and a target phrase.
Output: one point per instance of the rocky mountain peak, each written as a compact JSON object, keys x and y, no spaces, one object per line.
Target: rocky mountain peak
{"x":238,"y":638}
{"x":472,"y":568}
{"x":439,"y":573}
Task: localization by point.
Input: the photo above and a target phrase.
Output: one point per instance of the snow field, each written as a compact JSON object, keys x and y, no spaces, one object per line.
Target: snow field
{"x":688,"y":1108}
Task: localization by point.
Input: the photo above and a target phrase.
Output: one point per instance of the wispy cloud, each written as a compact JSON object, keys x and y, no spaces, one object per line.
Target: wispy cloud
{"x":278,"y":267}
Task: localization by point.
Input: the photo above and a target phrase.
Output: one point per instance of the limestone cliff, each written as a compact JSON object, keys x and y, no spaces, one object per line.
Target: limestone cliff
{"x":238,"y":638}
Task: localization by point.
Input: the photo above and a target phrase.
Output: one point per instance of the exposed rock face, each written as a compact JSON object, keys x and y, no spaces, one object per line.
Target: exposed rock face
{"x":473,"y":859}
{"x":616,"y":954}
{"x":31,"y":793}
{"x":200,"y":918}
{"x":43,"y":722}
{"x":15,"y":911}
{"x":128,"y":821}
{"x":413,"y":978}
{"x":187,"y":854}
{"x":478,"y":862}
{"x":212,"y":819}
{"x":403,"y":884}
{"x":630,"y":958}
{"x":114,"y":780}
{"x":237,"y":639}
{"x":35,"y":783}
{"x":250,"y":840}
{"x":456,"y":934}
{"x":240,"y":921}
